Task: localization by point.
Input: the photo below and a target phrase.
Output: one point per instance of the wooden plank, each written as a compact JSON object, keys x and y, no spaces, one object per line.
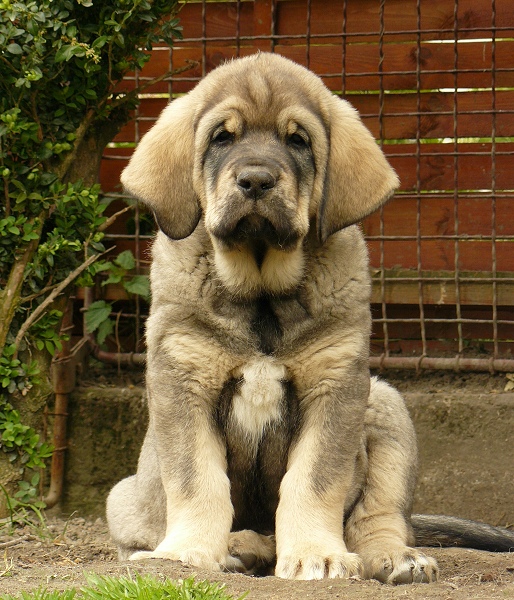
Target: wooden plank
{"x":474,"y":172}
{"x":406,"y":336}
{"x":111,"y":168}
{"x":432,"y":123}
{"x":395,"y":293}
{"x":399,"y":65}
{"x":437,"y":216}
{"x":183,"y":83}
{"x":220,"y":19}
{"x":475,"y":293}
{"x":364,"y":16}
{"x":398,"y":124}
{"x":436,"y":166}
{"x":440,"y":255}
{"x":262,"y":23}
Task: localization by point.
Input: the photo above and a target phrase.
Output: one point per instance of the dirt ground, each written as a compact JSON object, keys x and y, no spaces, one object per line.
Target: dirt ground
{"x":59,"y":556}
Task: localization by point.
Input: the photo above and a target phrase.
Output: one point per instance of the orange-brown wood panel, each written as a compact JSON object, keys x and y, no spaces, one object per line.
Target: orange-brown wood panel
{"x":361,"y":17}
{"x":440,"y":255}
{"x":220,"y":19}
{"x":474,"y":117}
{"x":473,"y":165}
{"x":399,"y":71}
{"x":399,"y":16}
{"x":113,"y":163}
{"x":184,"y":54}
{"x":437,"y":216}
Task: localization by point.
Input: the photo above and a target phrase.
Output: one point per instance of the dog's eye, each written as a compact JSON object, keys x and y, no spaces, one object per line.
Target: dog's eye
{"x":297,"y":140}
{"x":223,"y":137}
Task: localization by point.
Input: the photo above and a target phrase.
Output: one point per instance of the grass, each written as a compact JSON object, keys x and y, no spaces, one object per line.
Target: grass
{"x":138,"y":587}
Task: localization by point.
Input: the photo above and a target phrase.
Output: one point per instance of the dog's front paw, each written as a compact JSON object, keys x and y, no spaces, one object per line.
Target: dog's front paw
{"x":193,"y":558}
{"x":405,"y":565}
{"x":318,"y":565}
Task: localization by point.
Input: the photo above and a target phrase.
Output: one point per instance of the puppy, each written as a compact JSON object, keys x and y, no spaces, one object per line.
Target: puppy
{"x":264,"y":424}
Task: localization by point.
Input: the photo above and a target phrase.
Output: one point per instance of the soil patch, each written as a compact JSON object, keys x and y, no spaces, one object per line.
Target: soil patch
{"x":59,"y":556}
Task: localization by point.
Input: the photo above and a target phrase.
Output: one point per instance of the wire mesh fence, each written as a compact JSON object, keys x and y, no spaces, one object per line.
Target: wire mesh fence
{"x":434,"y":82}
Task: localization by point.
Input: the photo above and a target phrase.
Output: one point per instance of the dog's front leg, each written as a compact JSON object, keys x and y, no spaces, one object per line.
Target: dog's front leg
{"x":309,"y":519}
{"x":192,"y":464}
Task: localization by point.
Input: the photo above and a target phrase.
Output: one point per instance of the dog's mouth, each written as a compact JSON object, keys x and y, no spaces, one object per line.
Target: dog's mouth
{"x":258,"y":233}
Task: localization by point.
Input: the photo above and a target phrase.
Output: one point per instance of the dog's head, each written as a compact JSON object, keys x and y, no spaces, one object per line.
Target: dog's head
{"x":264,"y":151}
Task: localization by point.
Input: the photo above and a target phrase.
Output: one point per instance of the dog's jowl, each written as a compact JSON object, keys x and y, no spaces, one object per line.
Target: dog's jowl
{"x":269,"y":449}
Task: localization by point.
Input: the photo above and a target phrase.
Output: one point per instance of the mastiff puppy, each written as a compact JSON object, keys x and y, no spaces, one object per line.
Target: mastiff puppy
{"x":264,"y":424}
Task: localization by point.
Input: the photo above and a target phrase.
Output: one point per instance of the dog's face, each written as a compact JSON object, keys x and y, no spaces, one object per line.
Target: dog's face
{"x":257,"y":180}
{"x":264,"y":151}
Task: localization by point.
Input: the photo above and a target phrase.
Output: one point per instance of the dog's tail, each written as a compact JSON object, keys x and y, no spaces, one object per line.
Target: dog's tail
{"x":438,"y":530}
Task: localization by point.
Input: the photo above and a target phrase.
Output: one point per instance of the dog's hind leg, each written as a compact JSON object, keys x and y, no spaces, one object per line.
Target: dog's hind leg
{"x":378,"y":527}
{"x":136,"y":508}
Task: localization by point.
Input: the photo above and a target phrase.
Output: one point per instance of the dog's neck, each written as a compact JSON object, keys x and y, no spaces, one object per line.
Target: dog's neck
{"x":247,"y":272}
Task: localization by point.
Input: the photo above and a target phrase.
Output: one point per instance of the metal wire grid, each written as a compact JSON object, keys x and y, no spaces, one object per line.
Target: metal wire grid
{"x":497,"y":358}
{"x":459,"y":360}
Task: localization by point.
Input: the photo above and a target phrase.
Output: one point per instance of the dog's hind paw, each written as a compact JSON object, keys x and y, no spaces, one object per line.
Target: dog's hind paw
{"x":250,"y":553}
{"x":401,"y":566}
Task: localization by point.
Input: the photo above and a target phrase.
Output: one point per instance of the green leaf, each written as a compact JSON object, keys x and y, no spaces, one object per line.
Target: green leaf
{"x":104,"y":329}
{"x":99,"y":42}
{"x":14,"y":49}
{"x":68,"y":51}
{"x":96,"y":314}
{"x":126,"y":260}
{"x":138,"y":285}
{"x":114,"y":277}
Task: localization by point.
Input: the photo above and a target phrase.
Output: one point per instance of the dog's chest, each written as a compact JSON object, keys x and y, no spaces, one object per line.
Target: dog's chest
{"x":266,"y":326}
{"x":273,"y":324}
{"x":257,"y":415}
{"x":259,"y":400}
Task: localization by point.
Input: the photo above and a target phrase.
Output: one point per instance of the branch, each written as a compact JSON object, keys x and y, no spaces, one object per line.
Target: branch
{"x":51,"y":297}
{"x":113,"y":217}
{"x":7,"y":210}
{"x":35,"y":115}
{"x":80,"y":133}
{"x":42,"y":292}
{"x":8,"y":63}
{"x":10,"y":295}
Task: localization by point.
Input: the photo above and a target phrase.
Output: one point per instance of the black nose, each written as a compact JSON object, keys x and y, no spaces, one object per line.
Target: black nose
{"x":256,"y":182}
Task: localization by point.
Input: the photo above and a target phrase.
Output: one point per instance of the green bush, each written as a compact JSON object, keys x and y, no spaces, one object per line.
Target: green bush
{"x":61,"y":63}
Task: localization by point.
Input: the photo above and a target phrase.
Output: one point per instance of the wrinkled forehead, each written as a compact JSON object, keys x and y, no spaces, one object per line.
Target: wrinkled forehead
{"x":259,"y":99}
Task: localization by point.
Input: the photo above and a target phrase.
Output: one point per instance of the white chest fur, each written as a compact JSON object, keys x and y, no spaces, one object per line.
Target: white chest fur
{"x":258,"y":403}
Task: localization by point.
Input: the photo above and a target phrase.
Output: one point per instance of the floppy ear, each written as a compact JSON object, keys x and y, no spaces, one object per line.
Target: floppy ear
{"x":359,"y":179}
{"x":160,"y":172}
